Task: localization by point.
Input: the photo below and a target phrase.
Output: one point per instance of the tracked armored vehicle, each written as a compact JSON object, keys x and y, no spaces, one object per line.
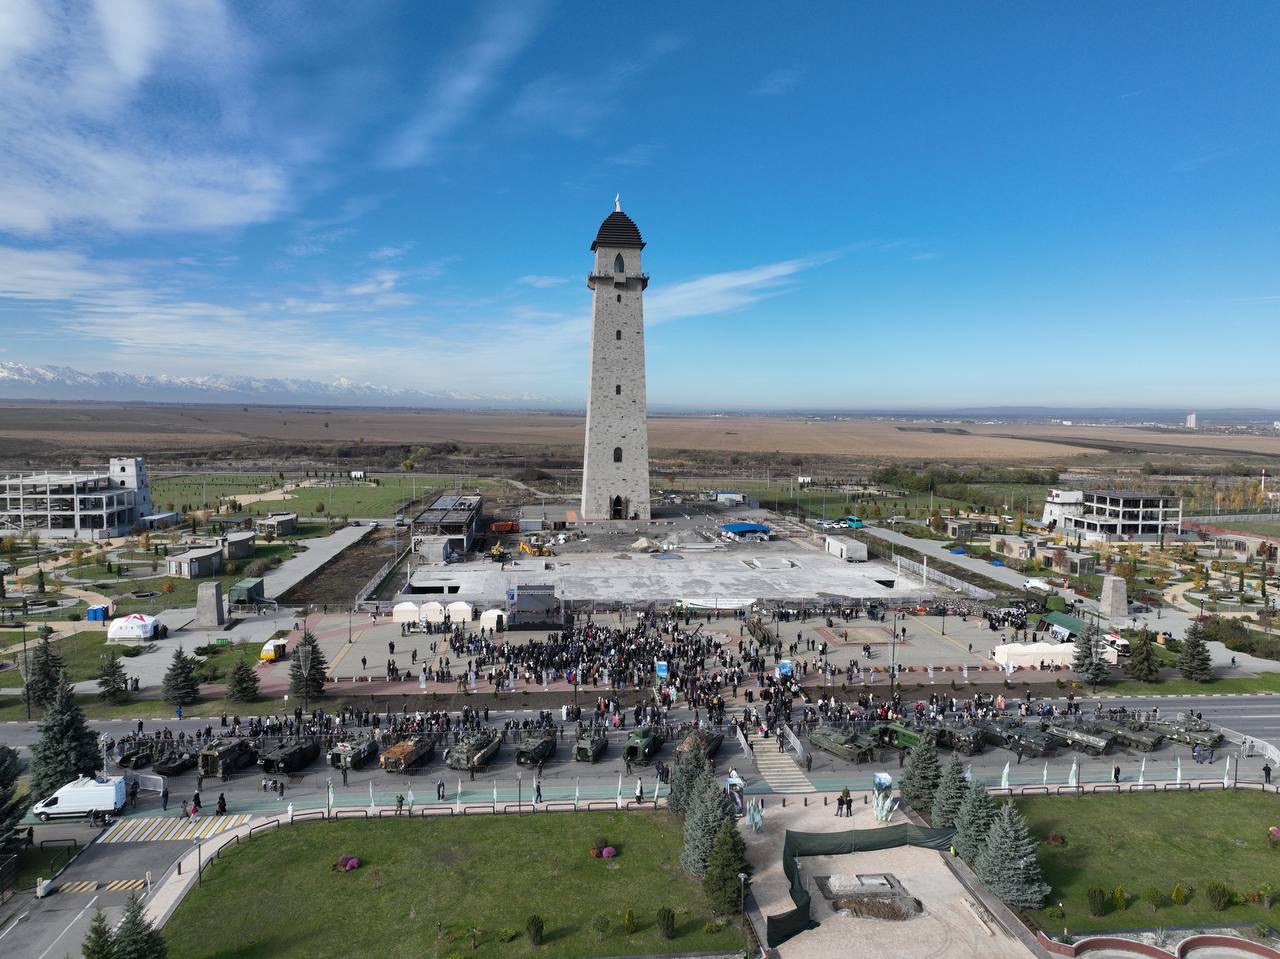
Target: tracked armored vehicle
{"x":961,"y":737}
{"x":854,"y":747}
{"x":408,"y":753}
{"x":900,"y":735}
{"x":1016,"y":736}
{"x":354,"y":754}
{"x":1133,"y":735}
{"x":475,"y":750}
{"x":706,"y":740}
{"x":642,"y":745}
{"x":222,"y":757}
{"x":289,"y":757}
{"x":590,"y":746}
{"x":535,"y":747}
{"x":1192,"y":731}
{"x":1081,"y":738}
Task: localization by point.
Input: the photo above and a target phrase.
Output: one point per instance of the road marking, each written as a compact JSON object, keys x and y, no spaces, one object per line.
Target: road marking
{"x":87,"y":885}
{"x":78,"y":917}
{"x":14,"y":925}
{"x":119,"y":885}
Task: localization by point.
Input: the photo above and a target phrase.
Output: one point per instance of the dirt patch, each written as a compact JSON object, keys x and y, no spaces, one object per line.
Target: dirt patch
{"x":339,"y":581}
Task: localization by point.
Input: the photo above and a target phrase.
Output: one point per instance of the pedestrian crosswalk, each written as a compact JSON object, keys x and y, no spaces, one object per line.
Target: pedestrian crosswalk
{"x":167,"y":828}
{"x":780,"y":771}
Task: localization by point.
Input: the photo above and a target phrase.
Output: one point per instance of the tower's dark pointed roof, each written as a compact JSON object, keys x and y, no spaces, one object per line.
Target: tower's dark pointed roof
{"x":618,"y":230}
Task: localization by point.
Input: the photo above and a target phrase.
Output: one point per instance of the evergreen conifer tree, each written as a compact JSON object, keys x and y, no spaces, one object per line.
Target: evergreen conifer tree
{"x":243,"y":687}
{"x":950,"y":795}
{"x":135,"y":937}
{"x":307,"y":684}
{"x":1007,"y":864}
{"x":180,"y":686}
{"x":1193,"y":659}
{"x":973,"y":822}
{"x":920,"y":775}
{"x":113,"y":683}
{"x":692,"y":770}
{"x":706,"y":813}
{"x":1090,"y":668}
{"x":1142,"y":663}
{"x":11,"y":808}
{"x":728,"y":858}
{"x":66,"y":748}
{"x":99,"y":943}
{"x":43,"y":674}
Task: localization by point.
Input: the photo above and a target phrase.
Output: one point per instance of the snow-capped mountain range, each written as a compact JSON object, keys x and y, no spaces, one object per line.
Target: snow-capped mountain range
{"x":19,"y":381}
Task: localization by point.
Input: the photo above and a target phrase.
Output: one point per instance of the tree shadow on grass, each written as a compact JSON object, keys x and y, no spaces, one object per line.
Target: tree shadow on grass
{"x":559,"y":932}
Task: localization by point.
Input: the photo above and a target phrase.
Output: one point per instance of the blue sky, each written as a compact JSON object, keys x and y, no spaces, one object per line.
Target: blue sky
{"x":847,"y":205}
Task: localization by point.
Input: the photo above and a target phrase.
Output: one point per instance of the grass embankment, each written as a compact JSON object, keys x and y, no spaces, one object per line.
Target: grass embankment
{"x":489,"y":873}
{"x":1147,"y":841}
{"x":82,"y":653}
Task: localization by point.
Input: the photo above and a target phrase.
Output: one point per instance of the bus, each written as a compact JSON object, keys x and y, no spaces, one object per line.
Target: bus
{"x":852,"y":522}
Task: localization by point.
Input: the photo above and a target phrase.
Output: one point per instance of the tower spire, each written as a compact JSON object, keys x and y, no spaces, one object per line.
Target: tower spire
{"x":617,"y":203}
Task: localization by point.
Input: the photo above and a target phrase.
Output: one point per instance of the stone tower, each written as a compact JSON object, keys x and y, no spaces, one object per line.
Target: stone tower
{"x":615,"y":463}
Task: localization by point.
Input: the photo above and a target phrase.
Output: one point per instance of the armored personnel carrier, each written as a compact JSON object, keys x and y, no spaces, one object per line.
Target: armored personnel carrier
{"x":590,"y":746}
{"x":900,"y":735}
{"x":535,"y":746}
{"x":642,"y":745}
{"x":704,"y":739}
{"x":1015,"y":735}
{"x":289,"y":757}
{"x":1192,"y":731}
{"x":408,"y":753}
{"x":475,"y":750}
{"x":222,"y":757}
{"x":1081,"y":738}
{"x":851,"y":746}
{"x":1134,"y":735}
{"x":961,"y":737}
{"x":353,"y":755}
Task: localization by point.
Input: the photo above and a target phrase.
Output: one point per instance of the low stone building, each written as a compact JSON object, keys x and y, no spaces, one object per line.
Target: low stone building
{"x":239,"y":545}
{"x":277,"y":524}
{"x":194,"y":563}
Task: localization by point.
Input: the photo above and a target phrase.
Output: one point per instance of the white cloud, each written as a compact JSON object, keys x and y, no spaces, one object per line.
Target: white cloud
{"x":724,"y":292}
{"x":88,"y":143}
{"x":55,"y":275}
{"x":540,"y":282}
{"x":460,"y":86}
{"x":777,"y":83}
{"x":638,"y":154}
{"x":390,"y":252}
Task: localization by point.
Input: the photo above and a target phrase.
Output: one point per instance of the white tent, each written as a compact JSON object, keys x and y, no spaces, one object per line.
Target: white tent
{"x":432,"y":612}
{"x":404,"y":613}
{"x":459,"y":612}
{"x":1031,"y":655}
{"x":494,"y":618}
{"x":133,"y":626}
{"x":644,"y":544}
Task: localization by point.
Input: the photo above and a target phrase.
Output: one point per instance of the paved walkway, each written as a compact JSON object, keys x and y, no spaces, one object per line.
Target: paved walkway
{"x":320,"y":551}
{"x":779,"y":770}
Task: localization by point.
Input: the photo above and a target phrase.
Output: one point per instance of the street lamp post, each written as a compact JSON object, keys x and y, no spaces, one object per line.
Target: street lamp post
{"x":742,"y":901}
{"x":26,"y":670}
{"x":199,"y":868}
{"x":519,"y":791}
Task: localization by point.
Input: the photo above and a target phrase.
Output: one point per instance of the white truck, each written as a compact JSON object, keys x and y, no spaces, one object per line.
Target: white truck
{"x":86,"y":796}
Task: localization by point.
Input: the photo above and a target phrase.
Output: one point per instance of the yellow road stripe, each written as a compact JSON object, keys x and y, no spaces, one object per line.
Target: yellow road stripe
{"x":134,"y":828}
{"x":150,"y":832}
{"x":109,"y":835}
{"x":171,"y":826}
{"x":88,"y":885}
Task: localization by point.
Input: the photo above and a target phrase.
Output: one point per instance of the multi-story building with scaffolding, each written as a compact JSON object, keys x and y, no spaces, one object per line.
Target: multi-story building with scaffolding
{"x":77,"y":505}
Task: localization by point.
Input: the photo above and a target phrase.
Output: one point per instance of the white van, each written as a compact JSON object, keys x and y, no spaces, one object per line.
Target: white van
{"x":84,"y":797}
{"x":1117,"y":642}
{"x":1039,"y":585}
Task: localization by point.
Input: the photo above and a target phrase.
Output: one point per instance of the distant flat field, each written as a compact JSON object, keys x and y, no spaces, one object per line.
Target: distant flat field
{"x":174,"y":428}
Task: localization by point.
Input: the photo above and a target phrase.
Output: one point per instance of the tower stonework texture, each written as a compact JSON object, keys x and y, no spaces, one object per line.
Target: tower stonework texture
{"x":615,"y":464}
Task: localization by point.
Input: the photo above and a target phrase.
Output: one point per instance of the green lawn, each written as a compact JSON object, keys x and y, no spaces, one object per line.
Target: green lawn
{"x":1261,"y":683}
{"x":41,"y":863}
{"x":82,"y":653}
{"x":1143,"y":840}
{"x":490,"y":873}
{"x":1266,"y":527}
{"x":184,"y":590}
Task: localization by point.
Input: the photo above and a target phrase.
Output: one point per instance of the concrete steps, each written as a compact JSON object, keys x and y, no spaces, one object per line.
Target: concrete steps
{"x":779,"y":770}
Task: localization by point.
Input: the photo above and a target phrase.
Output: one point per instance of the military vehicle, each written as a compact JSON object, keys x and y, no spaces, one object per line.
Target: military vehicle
{"x":704,"y":739}
{"x":961,"y":737}
{"x":1081,"y":738}
{"x":289,"y":757}
{"x":900,"y":735}
{"x":353,"y":755}
{"x":175,"y":763}
{"x":642,"y":745}
{"x":475,"y":750}
{"x":1192,"y":731}
{"x":135,"y":759}
{"x":535,"y":746}
{"x":590,"y":746}
{"x":222,"y":757}
{"x":1134,"y":735}
{"x":851,"y":746}
{"x":1016,"y":736}
{"x":408,"y":753}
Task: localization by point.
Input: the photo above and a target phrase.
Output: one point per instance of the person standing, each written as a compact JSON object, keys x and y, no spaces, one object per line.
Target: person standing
{"x":639,"y":789}
{"x":1266,"y":774}
{"x":344,"y":775}
{"x":1115,"y":774}
{"x":164,"y":798}
{"x":440,"y":789}
{"x":537,"y":790}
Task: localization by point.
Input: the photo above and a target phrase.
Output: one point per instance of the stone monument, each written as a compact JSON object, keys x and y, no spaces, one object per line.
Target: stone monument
{"x":1114,"y":603}
{"x":209,"y":613}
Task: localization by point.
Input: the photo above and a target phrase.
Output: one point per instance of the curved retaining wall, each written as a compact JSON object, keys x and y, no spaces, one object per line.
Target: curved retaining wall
{"x":1204,"y":941}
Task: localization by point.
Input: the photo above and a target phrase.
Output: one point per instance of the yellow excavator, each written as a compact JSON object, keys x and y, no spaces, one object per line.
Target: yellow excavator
{"x":535,"y":549}
{"x":498,"y":554}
